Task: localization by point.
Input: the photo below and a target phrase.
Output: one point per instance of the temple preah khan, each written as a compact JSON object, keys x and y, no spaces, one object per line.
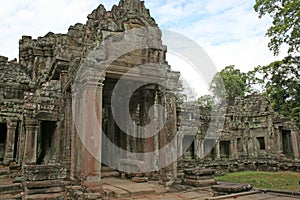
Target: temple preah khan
{"x":50,"y":148}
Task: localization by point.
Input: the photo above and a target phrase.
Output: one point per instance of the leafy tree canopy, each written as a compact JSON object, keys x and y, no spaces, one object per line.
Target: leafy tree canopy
{"x":285,"y":27}
{"x":229,"y":83}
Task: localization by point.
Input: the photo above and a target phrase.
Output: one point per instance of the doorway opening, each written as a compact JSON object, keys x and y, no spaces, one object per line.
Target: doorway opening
{"x":47,"y":129}
{"x":16,"y":142}
{"x":287,"y":145}
{"x":189,"y":147}
{"x":209,"y":148}
{"x":3,"y":134}
{"x":224,"y":149}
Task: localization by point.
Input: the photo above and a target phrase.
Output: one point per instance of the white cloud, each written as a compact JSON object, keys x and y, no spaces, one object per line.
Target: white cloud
{"x":229,"y":30}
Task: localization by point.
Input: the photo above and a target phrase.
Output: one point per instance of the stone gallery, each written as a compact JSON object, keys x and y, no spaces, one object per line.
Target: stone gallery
{"x":63,"y":83}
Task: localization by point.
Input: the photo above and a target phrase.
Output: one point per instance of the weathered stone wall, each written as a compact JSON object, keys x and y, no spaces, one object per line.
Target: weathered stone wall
{"x":251,"y":138}
{"x":13,"y":83}
{"x":44,"y":102}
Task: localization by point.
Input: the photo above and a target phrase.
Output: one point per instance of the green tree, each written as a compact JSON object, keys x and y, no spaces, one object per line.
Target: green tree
{"x":280,"y":82}
{"x":205,"y":101}
{"x":229,"y":83}
{"x":285,"y":27}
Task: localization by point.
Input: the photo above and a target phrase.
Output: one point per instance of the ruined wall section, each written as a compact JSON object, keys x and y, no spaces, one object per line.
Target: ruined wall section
{"x":44,"y":103}
{"x":44,"y":58}
{"x":254,"y":137}
{"x":259,"y":127}
{"x":13,"y":83}
{"x":251,"y":127}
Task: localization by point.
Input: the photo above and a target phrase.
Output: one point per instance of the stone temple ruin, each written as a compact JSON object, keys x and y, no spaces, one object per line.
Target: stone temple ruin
{"x":40,"y":100}
{"x":254,"y":137}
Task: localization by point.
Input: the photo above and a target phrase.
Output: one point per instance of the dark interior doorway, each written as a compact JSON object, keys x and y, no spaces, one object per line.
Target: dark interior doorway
{"x":261,"y":142}
{"x":209,"y":148}
{"x":224,"y":149}
{"x":47,"y":129}
{"x":287,"y":145}
{"x":189,"y":147}
{"x":3,"y":134}
{"x":16,"y":142}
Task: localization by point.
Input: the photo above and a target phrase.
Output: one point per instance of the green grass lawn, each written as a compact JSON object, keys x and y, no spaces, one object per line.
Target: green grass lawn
{"x":268,"y":180}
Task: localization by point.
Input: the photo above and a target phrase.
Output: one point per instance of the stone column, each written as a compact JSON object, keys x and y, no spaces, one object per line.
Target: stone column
{"x":162,"y":140}
{"x":180,"y":145}
{"x":68,"y":132}
{"x":147,"y":126}
{"x":201,"y":155}
{"x":169,"y":138}
{"x":172,"y":133}
{"x":198,"y":148}
{"x":235,"y":148}
{"x":32,"y":127}
{"x":295,"y":142}
{"x":218,"y":150}
{"x":279,"y":142}
{"x":74,"y":137}
{"x":232,"y":150}
{"x":92,"y":134}
{"x":10,"y":141}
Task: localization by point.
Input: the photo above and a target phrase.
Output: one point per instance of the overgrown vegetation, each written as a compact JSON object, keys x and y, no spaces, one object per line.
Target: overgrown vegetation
{"x":265,"y":180}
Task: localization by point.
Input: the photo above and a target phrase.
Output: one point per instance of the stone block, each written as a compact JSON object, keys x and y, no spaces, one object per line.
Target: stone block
{"x":139,"y":179}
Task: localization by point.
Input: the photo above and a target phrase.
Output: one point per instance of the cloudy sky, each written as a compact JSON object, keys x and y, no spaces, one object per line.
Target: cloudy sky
{"x":228,"y":30}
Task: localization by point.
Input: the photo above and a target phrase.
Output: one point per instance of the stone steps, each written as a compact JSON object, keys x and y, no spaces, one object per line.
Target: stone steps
{"x":5,"y":179}
{"x":11,"y":196}
{"x":47,"y":189}
{"x":8,"y":189}
{"x":49,"y":196}
{"x":108,"y":172}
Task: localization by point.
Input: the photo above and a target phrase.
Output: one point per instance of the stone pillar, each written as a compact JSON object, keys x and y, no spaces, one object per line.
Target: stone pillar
{"x":32,"y":127}
{"x":68,"y":132}
{"x":162,"y":140}
{"x":198,"y":148}
{"x":172,"y":133}
{"x":180,"y":145}
{"x":73,"y":137}
{"x":169,"y":138}
{"x":21,"y":142}
{"x":156,"y":137}
{"x":10,"y":141}
{"x":92,"y":133}
{"x":147,"y":126}
{"x":232,"y":150}
{"x":201,"y":155}
{"x":218,"y":150}
{"x":279,"y":142}
{"x":235,"y":148}
{"x":295,"y":144}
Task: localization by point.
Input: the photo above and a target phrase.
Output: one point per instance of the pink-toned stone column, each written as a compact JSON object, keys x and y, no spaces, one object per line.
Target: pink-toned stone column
{"x":92,"y":141}
{"x":31,"y":127}
{"x":162,"y":140}
{"x":74,"y":138}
